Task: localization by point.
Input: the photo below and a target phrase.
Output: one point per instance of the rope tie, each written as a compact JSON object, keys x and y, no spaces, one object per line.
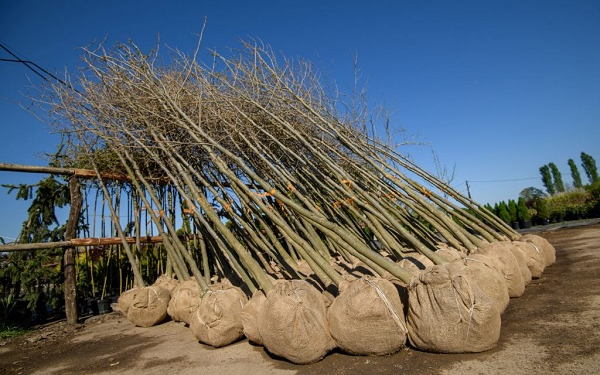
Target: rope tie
{"x":535,"y":247}
{"x":387,"y":304}
{"x":470,"y":308}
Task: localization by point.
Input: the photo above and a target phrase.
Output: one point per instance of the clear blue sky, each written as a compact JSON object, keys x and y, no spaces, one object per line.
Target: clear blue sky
{"x":496,"y":88}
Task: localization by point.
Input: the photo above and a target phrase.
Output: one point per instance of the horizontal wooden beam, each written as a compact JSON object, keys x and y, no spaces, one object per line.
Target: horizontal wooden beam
{"x":76,"y":242}
{"x":77,"y":172}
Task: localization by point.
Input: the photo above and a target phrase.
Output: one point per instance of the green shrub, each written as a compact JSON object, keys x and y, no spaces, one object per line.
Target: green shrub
{"x":522,"y":211}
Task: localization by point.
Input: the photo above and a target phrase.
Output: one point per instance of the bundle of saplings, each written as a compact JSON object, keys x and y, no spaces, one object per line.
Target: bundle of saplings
{"x":293,"y":201}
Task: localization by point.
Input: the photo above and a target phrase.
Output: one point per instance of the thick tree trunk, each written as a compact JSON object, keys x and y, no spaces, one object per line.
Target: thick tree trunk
{"x":69,"y":256}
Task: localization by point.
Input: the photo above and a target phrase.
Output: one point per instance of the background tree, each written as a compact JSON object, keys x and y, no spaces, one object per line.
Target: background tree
{"x":575,"y":174}
{"x":558,"y":182}
{"x":589,"y":166}
{"x":512,"y":210}
{"x":502,"y":212}
{"x":531,"y":193}
{"x":547,"y":179}
{"x":36,"y":276}
{"x":522,"y":211}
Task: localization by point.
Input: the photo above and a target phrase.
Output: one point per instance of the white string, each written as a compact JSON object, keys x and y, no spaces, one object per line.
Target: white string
{"x":387,"y":304}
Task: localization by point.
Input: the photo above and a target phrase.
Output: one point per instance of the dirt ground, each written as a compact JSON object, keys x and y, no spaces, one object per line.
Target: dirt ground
{"x":553,"y":328}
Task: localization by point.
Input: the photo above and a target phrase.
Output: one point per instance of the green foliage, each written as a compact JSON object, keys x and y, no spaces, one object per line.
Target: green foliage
{"x":570,"y":205}
{"x":531,"y":193}
{"x":512,"y":210}
{"x":594,"y":191}
{"x":36,"y":276}
{"x":575,"y":174}
{"x":589,"y":166}
{"x":502,"y":212}
{"x":522,"y":211}
{"x":542,"y":209}
{"x":559,"y":186}
{"x":547,"y":179}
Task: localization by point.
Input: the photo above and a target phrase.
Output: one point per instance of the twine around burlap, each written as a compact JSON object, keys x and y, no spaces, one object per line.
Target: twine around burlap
{"x":218,"y":319}
{"x":293,"y":323}
{"x":447,"y":313}
{"x":487,"y":278}
{"x":149,"y":306}
{"x":125,"y":300}
{"x":543,"y":246}
{"x":367,"y":318}
{"x":184,"y":301}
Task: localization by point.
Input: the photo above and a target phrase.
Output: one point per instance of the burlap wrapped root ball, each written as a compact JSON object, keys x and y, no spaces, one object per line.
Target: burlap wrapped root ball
{"x":534,"y":259}
{"x":293,"y":323}
{"x":218,"y":319}
{"x":543,"y":246}
{"x":489,"y":280}
{"x":367,"y":317}
{"x":448,"y":313}
{"x":508,"y":266}
{"x":149,"y":306}
{"x":250,"y":317}
{"x":449,"y":254}
{"x":124,"y":301}
{"x":184,"y":301}
{"x":167,"y":283}
{"x":415,"y":262}
{"x":521,"y":257}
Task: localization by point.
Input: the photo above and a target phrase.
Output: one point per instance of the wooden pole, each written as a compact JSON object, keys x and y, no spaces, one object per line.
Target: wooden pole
{"x":81,"y":173}
{"x":75,"y":242}
{"x":70,"y":288}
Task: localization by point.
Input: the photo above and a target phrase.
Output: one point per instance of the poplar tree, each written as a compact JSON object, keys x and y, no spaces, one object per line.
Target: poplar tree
{"x":558,"y":182}
{"x":575,"y":174}
{"x":547,"y":179}
{"x":589,"y":166}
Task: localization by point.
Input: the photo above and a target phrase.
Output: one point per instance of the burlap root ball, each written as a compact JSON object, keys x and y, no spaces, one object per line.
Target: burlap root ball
{"x":166,"y":282}
{"x":149,"y":306}
{"x":508,"y":266}
{"x":535,"y":260}
{"x":521,"y":257}
{"x":125,"y":300}
{"x":250,"y":317}
{"x":543,"y":246}
{"x":218,"y":319}
{"x":184,"y":301}
{"x":448,"y":313}
{"x":449,"y":254}
{"x":488,"y":279}
{"x":367,"y":318}
{"x":293,"y":323}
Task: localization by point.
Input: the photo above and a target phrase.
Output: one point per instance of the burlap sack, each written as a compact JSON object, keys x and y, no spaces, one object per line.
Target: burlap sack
{"x":508,"y":265}
{"x":218,"y":319}
{"x":543,"y":246}
{"x":293,"y":323}
{"x":124,"y":301}
{"x":167,"y":283}
{"x":449,"y":254}
{"x":367,"y":318}
{"x":250,"y":317}
{"x":149,"y":306}
{"x":419,"y":259}
{"x":447,"y":313}
{"x":487,"y":278}
{"x":184,"y":301}
{"x":522,"y":260}
{"x":533,"y":257}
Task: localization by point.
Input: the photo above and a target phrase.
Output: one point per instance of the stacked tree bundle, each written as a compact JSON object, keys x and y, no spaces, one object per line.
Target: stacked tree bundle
{"x":329,"y":230}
